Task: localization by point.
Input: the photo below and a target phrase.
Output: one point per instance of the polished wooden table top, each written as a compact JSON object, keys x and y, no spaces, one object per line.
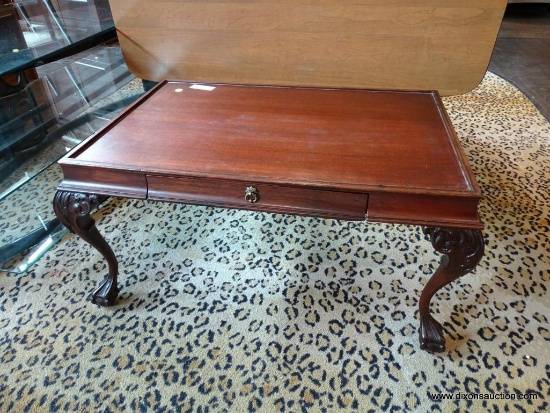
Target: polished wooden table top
{"x":399,"y":148}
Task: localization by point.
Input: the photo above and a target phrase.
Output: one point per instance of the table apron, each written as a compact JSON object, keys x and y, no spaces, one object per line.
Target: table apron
{"x":450,"y":211}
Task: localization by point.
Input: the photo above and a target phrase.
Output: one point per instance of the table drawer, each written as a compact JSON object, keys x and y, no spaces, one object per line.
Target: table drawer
{"x":259,"y":196}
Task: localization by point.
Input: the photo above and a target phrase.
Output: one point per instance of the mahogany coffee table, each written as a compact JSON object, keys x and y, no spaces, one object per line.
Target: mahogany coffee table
{"x":348,"y":154}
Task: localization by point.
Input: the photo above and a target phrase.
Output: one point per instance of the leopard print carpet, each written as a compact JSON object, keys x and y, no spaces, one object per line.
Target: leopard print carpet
{"x":233,"y":311}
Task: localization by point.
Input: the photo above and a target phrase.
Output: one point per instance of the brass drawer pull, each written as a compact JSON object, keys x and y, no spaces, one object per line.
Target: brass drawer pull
{"x":251,"y":195}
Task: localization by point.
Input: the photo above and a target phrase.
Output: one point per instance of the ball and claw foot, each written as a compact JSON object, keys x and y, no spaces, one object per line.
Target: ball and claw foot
{"x":462,"y":249}
{"x":431,"y":335}
{"x":105,"y":294}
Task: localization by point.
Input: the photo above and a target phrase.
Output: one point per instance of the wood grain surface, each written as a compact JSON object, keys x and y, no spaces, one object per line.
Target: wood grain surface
{"x":341,"y":139}
{"x":442,"y":45}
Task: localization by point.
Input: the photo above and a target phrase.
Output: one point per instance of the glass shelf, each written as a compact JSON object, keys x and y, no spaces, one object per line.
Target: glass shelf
{"x":38,"y":31}
{"x":48,"y":109}
{"x":70,"y":100}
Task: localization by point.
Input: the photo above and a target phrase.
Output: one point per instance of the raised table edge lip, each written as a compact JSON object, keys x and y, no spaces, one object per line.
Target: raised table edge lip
{"x":69,"y":158}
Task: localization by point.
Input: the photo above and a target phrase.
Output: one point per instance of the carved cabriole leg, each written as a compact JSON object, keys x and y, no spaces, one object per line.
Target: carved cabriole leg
{"x":462,"y":249}
{"x":73,"y":210}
